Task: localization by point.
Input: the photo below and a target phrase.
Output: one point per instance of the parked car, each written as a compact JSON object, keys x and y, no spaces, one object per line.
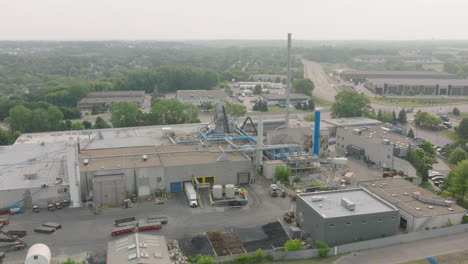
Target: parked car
{"x":437,"y":178}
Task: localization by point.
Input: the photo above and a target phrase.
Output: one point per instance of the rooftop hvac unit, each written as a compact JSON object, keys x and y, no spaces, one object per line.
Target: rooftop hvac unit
{"x":145,"y":157}
{"x":30,"y":176}
{"x":86,"y":162}
{"x":386,"y":141}
{"x":348,"y":204}
{"x":316,"y":198}
{"x":357,"y":131}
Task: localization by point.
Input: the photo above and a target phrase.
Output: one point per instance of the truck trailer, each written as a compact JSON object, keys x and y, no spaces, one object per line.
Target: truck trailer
{"x":191,"y":194}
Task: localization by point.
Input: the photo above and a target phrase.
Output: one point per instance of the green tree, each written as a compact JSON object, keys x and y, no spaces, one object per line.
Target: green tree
{"x":257,"y":89}
{"x":427,"y":120}
{"x":380,"y":115}
{"x":77,"y":126}
{"x":277,"y":79}
{"x":87,"y":124}
{"x":304,"y":86}
{"x":100,"y":123}
{"x":394,"y":115}
{"x":171,"y":111}
{"x":462,"y":129}
{"x":457,"y":155}
{"x":95,"y":110}
{"x":456,"y":111}
{"x":323,"y":248}
{"x":402,"y":116}
{"x":459,"y":184}
{"x":235,"y":110}
{"x":293,"y":245}
{"x":282,"y":174}
{"x":310,"y":118}
{"x":55,"y":117}
{"x":124,"y":114}
{"x":311,"y":105}
{"x":201,"y":259}
{"x":5,"y":137}
{"x":410,"y":133}
{"x":428,"y":148}
{"x":20,"y":119}
{"x":350,"y":104}
{"x":298,"y":106}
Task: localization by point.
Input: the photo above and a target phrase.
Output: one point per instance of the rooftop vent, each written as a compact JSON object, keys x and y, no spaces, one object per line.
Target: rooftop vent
{"x":145,"y":157}
{"x":86,"y":162}
{"x":30,"y":176}
{"x":348,"y":204}
{"x":417,"y":209}
{"x":430,"y":207}
{"x":405,"y":194}
{"x":450,"y":209}
{"x":316,"y":198}
{"x":144,"y":255}
{"x":373,"y":184}
{"x":394,"y":195}
{"x":386,"y":141}
{"x":357,"y":131}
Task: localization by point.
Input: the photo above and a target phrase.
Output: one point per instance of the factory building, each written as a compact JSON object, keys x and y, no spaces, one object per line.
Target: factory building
{"x":380,"y":145}
{"x":280,"y":99}
{"x":102,"y":100}
{"x":419,"y":208}
{"x":199,"y":97}
{"x":334,"y":123}
{"x":447,"y":87}
{"x":265,"y":85}
{"x":361,"y":76}
{"x":112,"y":175}
{"x":37,"y":174}
{"x":138,"y":249}
{"x":345,"y":216}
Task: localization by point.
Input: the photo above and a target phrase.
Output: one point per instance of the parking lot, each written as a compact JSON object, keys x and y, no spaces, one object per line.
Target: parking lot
{"x":83,"y":231}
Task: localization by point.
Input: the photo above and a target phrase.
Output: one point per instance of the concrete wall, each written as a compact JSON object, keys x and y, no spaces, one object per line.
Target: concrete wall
{"x":439,"y":221}
{"x":269,"y":168}
{"x":42,"y":196}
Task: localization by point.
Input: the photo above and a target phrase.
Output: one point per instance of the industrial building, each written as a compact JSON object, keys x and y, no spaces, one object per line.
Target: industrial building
{"x":419,"y":208}
{"x":264,"y":85}
{"x":280,"y":99}
{"x":111,"y":175}
{"x":381,"y":145}
{"x":447,"y":87}
{"x":360,"y":76}
{"x":198,"y":97}
{"x":102,"y":100}
{"x":395,"y":58}
{"x":138,"y":249}
{"x":334,"y":123}
{"x":345,"y":216}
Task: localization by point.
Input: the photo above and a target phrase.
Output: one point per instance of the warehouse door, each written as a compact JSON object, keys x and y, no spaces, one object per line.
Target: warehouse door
{"x":176,"y":186}
{"x":143,"y":186}
{"x":243,"y":178}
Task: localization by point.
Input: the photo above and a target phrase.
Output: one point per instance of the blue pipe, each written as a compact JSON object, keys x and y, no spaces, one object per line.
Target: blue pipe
{"x":317,"y":133}
{"x":244,"y":138}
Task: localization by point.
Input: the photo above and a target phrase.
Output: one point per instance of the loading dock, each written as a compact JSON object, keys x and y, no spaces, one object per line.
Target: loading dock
{"x":176,"y":186}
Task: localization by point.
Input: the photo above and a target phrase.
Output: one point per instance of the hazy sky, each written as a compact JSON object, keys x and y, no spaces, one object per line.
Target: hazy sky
{"x":233,"y":19}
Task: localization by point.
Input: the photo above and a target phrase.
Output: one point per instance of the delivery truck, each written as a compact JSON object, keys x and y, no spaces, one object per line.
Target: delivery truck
{"x":191,"y":194}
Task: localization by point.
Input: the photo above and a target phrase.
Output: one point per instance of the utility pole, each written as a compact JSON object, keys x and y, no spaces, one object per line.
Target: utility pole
{"x":288,"y":83}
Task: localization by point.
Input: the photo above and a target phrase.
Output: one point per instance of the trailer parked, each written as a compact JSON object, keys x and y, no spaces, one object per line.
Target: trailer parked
{"x":143,"y":226}
{"x":123,"y":230}
{"x":154,"y":218}
{"x":121,"y":222}
{"x":44,"y":230}
{"x":52,"y":225}
{"x":190,"y":194}
{"x":18,"y":233}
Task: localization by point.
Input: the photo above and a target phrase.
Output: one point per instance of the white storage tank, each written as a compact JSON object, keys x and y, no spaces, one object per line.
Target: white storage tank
{"x":230,"y":191}
{"x":217,"y":192}
{"x":38,"y":254}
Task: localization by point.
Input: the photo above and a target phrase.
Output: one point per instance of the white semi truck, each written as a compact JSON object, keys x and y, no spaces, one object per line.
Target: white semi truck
{"x":191,"y":194}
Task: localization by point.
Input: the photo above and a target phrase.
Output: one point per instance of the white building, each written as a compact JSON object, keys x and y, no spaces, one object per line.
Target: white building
{"x":198,"y":97}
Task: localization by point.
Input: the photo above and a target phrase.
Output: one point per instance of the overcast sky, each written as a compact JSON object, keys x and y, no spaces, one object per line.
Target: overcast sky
{"x":233,"y":19}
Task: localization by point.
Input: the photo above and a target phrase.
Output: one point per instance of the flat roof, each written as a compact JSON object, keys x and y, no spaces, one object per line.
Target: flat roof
{"x":428,"y":73}
{"x":30,"y":166}
{"x":330,"y":204}
{"x":157,"y":156}
{"x":109,"y":100}
{"x":199,"y":94}
{"x":116,"y":94}
{"x":378,"y":133}
{"x":398,"y":192}
{"x":352,"y":121}
{"x":293,"y":96}
{"x":398,"y":81}
{"x":138,"y":249}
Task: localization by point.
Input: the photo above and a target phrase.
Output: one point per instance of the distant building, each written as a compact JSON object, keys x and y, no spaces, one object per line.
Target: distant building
{"x":448,"y":87}
{"x":267,"y":77}
{"x":198,"y":97}
{"x":419,"y":208}
{"x":361,"y":76}
{"x":264,"y":85}
{"x":395,"y":58}
{"x":280,"y":99}
{"x":345,"y":216}
{"x":381,"y":145}
{"x":102,"y":100}
{"x":334,"y":123}
{"x":138,"y":249}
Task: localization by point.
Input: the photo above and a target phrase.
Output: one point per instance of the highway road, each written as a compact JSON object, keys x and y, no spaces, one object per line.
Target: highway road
{"x":323,"y":87}
{"x":408,"y":251}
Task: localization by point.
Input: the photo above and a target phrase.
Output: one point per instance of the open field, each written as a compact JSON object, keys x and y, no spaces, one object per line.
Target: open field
{"x":452,"y":258}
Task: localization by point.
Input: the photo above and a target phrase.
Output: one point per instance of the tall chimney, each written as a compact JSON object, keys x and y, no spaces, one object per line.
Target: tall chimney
{"x":288,"y":83}
{"x":317,"y":133}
